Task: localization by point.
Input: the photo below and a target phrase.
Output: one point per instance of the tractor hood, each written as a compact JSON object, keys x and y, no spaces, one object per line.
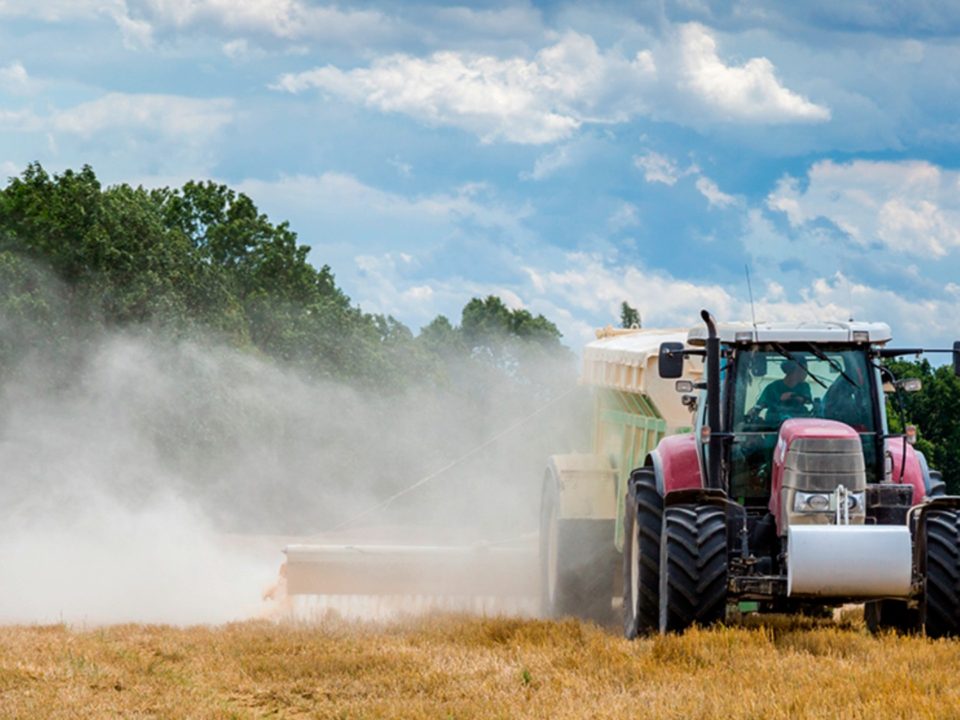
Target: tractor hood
{"x":812,"y":459}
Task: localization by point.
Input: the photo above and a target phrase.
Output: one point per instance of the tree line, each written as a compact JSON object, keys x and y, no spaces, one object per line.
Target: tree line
{"x":202,"y":259}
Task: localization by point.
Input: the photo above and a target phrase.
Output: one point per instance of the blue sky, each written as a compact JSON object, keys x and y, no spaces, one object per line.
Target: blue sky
{"x":565,"y":156}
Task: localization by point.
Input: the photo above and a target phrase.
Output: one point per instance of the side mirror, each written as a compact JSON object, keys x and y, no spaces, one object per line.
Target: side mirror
{"x":670,"y":360}
{"x":956,"y":358}
{"x":758,"y":365}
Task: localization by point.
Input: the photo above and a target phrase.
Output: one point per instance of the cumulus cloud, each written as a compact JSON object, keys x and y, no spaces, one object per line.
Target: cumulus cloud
{"x":909,"y":207}
{"x":548,"y":97}
{"x":750,"y":92}
{"x":525,"y":101}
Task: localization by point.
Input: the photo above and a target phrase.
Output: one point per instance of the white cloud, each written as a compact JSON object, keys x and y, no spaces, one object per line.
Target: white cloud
{"x":589,"y":288}
{"x":284,"y":19}
{"x":537,"y":101}
{"x":748,"y":93}
{"x":664,"y":169}
{"x":660,"y":168}
{"x":549,"y":163}
{"x":572,"y":82}
{"x":170,"y":116}
{"x":14,"y":78}
{"x":714,"y":195}
{"x":909,"y":207}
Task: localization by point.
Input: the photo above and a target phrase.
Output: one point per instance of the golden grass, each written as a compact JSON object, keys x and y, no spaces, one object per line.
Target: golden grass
{"x":462,"y":667}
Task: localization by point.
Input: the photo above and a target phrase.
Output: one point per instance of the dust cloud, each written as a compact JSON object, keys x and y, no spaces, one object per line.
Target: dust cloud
{"x":155,"y":479}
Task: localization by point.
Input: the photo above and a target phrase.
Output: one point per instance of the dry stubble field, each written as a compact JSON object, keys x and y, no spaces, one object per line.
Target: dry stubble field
{"x":464,"y":667}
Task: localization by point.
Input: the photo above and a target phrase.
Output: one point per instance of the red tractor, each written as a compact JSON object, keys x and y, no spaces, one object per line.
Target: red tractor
{"x":790,"y":493}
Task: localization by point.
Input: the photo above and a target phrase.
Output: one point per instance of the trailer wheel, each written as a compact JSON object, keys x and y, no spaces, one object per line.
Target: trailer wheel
{"x":577,"y":562}
{"x":693,"y":566}
{"x":940,"y":607}
{"x":896,"y":615}
{"x":643,"y":518}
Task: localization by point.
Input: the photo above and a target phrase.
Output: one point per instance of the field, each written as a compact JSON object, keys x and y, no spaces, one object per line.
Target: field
{"x":465,"y":667}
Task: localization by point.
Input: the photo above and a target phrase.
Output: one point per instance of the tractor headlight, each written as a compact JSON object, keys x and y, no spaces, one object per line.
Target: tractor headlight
{"x":855,"y":500}
{"x":811,"y":502}
{"x":825,"y":502}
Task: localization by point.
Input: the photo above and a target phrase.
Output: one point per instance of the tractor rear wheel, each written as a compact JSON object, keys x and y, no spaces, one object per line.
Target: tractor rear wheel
{"x":577,"y":562}
{"x":693,"y":566}
{"x":940,"y":607}
{"x":643,"y":517}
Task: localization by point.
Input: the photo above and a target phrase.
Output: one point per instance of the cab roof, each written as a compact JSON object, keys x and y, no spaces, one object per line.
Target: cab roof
{"x":816,"y":332}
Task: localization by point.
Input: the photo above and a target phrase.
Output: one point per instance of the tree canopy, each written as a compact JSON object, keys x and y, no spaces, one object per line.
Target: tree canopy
{"x":203,"y":258}
{"x":935,"y":410}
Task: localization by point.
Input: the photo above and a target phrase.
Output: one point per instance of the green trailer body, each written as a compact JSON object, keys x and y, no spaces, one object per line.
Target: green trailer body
{"x":583,"y":495}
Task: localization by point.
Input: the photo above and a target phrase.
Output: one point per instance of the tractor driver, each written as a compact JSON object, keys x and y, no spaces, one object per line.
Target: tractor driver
{"x":789,"y":396}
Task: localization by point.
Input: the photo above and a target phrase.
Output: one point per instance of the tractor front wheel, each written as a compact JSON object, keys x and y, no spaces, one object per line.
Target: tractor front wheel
{"x":643,"y":518}
{"x":940,"y":607}
{"x":693,"y":566}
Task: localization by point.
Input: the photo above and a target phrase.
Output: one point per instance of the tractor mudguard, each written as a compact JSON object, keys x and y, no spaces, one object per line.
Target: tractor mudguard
{"x":917,"y":517}
{"x":912,"y":471}
{"x":676,"y":462}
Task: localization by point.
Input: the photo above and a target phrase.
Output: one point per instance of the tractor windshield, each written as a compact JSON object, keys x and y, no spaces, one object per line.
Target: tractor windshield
{"x":773,"y":383}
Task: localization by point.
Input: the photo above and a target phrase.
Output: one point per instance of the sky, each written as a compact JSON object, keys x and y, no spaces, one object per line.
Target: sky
{"x":564,"y":156}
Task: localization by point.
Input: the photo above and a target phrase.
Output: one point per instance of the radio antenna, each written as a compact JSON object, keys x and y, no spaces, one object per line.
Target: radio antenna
{"x":753,"y":311}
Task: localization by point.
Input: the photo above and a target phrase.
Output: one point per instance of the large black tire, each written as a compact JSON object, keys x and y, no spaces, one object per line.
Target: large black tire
{"x":693,"y":567}
{"x":643,"y":517}
{"x":578,"y":562}
{"x":940,"y":607}
{"x":938,"y":487}
{"x":896,"y":615}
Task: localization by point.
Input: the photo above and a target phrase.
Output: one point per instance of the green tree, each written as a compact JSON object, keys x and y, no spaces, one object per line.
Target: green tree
{"x":629,"y":316}
{"x":203,"y":257}
{"x":935,"y":410}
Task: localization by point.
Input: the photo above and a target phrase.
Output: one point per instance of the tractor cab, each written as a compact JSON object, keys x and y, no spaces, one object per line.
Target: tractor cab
{"x":768,"y":374}
{"x":766,"y":384}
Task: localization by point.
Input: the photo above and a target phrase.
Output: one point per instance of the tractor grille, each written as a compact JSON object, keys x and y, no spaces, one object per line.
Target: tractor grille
{"x":821,"y":464}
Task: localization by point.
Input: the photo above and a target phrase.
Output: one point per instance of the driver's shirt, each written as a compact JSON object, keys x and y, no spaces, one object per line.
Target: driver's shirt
{"x":770,"y":397}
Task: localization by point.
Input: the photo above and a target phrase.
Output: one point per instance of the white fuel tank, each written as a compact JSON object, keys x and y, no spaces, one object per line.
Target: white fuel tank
{"x":848,"y":561}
